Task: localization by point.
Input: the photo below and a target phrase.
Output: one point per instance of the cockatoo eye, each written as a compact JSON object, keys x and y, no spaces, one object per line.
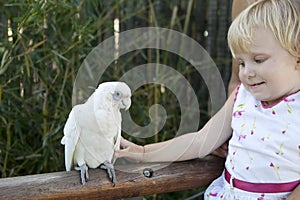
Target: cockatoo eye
{"x":117,"y":95}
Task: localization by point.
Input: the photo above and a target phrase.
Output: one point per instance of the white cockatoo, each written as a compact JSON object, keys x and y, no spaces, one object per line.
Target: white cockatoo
{"x":93,"y":130}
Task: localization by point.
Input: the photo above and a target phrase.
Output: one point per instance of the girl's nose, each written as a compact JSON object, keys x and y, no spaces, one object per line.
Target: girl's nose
{"x":248,"y":71}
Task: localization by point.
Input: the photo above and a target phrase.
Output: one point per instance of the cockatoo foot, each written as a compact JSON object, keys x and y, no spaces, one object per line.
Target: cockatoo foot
{"x":110,"y":171}
{"x":84,"y":174}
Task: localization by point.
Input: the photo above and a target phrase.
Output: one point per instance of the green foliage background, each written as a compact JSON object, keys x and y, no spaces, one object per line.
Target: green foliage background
{"x":42,"y":45}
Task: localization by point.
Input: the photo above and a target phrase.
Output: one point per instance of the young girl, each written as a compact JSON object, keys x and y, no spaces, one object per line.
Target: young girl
{"x":261,"y":116}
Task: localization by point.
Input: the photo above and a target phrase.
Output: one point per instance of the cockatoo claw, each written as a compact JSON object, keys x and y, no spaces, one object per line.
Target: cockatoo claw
{"x":84,"y":174}
{"x":110,"y":171}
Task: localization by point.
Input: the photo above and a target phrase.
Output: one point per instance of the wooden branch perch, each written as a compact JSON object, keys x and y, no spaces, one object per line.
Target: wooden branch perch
{"x":62,"y":185}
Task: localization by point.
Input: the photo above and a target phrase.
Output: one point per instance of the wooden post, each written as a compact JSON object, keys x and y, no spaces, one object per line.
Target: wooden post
{"x":62,"y":185}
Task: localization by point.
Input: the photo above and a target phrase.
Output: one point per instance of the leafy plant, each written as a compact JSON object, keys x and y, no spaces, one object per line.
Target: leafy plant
{"x":42,"y":46}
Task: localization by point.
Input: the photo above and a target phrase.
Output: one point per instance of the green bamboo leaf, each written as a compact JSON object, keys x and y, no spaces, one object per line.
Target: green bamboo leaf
{"x":4,"y":62}
{"x":61,"y":56}
{"x":1,"y":89}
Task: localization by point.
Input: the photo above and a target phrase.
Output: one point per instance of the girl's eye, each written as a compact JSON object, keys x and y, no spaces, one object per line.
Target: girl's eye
{"x":259,"y":60}
{"x":241,"y":64}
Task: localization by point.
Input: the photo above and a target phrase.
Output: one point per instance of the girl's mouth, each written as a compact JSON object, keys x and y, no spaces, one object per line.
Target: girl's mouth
{"x":256,"y":84}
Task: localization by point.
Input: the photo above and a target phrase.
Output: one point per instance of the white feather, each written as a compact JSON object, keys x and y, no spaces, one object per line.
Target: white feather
{"x":93,"y":130}
{"x":70,"y":139}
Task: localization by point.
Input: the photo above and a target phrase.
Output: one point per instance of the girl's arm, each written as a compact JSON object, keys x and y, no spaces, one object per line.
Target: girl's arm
{"x":295,"y":194}
{"x":188,"y":146}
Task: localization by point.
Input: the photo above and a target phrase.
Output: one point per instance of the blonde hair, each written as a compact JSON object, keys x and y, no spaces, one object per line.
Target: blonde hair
{"x":282,"y":17}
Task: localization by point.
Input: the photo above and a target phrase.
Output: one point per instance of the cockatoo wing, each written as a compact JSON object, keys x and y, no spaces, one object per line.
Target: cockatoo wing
{"x":108,"y":124}
{"x":117,"y":144}
{"x":109,"y":129}
{"x":70,"y":139}
{"x":118,"y":141}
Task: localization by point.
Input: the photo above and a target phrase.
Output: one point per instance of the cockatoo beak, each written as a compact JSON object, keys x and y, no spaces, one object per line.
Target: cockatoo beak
{"x":126,"y":103}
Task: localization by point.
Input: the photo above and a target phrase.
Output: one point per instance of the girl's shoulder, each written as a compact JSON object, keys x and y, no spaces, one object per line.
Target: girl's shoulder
{"x":243,"y":96}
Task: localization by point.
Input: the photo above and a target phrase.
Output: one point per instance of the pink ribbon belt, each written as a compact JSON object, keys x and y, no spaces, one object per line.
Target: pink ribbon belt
{"x":261,"y":187}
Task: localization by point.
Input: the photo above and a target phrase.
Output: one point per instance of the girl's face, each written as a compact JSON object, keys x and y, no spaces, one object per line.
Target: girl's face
{"x":268,"y":71}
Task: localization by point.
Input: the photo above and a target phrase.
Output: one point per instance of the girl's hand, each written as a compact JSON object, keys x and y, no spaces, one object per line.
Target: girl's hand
{"x":130,"y":150}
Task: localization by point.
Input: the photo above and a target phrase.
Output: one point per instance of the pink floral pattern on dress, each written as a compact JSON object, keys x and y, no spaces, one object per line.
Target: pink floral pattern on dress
{"x":253,"y":126}
{"x":288,"y":100}
{"x":280,"y":151}
{"x":276,"y":169}
{"x":264,"y":146}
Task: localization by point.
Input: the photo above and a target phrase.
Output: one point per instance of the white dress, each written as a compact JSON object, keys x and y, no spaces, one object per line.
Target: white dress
{"x":264,"y":148}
